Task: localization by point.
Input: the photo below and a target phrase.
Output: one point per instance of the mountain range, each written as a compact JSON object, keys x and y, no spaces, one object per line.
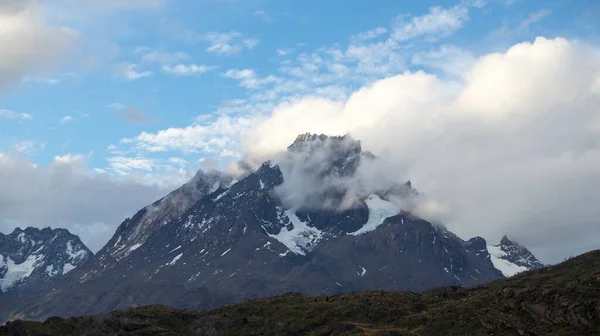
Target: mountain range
{"x":309,"y":221}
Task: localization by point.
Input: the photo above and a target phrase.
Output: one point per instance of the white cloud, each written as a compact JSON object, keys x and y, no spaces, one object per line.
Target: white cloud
{"x":262,"y":14}
{"x":116,"y":106}
{"x":30,"y":44}
{"x":186,"y":69}
{"x":251,"y":43}
{"x":249,"y":79}
{"x":439,"y":22}
{"x":209,"y":137}
{"x":8,"y":114}
{"x":229,"y":43}
{"x":524,"y":26}
{"x":65,"y":119}
{"x":284,"y":52}
{"x":511,"y":149}
{"x":447,"y":58}
{"x":70,"y":196}
{"x":129,"y":72}
{"x":370,"y":34}
{"x":25,"y":147}
{"x":126,"y":165}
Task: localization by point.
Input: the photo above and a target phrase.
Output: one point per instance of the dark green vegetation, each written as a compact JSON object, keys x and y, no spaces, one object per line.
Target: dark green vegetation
{"x":559,"y":300}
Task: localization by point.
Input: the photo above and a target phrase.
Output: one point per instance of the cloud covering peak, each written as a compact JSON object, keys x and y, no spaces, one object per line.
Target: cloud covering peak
{"x":512,"y":147}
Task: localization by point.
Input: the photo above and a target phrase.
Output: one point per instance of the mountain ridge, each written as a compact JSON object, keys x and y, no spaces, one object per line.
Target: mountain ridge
{"x":233,"y":241}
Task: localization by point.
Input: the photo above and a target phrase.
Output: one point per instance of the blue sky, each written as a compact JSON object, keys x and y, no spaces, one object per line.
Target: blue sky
{"x":119,"y":75}
{"x":488,"y":106}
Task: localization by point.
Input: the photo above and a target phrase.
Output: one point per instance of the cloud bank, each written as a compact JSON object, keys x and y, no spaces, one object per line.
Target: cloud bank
{"x":512,"y":147}
{"x":66,"y":194}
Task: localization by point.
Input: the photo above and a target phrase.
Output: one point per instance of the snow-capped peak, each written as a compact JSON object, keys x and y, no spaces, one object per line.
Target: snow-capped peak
{"x":33,"y":254}
{"x":511,"y":258}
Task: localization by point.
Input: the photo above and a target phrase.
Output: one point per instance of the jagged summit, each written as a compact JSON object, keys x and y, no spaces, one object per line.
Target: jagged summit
{"x":38,"y":256}
{"x":512,"y":258}
{"x":312,"y":138}
{"x":507,"y":242}
{"x":46,"y":230}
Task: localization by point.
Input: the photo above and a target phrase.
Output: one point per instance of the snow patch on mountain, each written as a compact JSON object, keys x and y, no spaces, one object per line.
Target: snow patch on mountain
{"x":172,"y":262}
{"x":506,"y":267}
{"x":134,"y":247}
{"x":75,"y":254}
{"x":301,"y":238}
{"x":379,"y":210}
{"x":17,"y":272}
{"x":68,"y":268}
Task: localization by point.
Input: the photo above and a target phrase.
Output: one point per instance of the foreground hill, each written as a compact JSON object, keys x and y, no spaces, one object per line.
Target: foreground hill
{"x":558,"y":300}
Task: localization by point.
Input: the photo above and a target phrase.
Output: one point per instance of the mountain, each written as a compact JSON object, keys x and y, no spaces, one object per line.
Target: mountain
{"x":512,"y":258}
{"x":563,"y":299}
{"x":308,"y":222}
{"x":134,"y":232}
{"x":37,"y":256}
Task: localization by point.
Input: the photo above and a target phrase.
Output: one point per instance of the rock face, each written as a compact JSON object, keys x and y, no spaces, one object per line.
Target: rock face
{"x":512,"y":258}
{"x":37,"y":256}
{"x":216,"y":241}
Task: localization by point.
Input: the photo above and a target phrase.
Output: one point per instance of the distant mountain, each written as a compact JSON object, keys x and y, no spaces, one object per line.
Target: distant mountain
{"x":511,"y":258}
{"x":558,"y":300}
{"x":305,"y":222}
{"x":37,"y":256}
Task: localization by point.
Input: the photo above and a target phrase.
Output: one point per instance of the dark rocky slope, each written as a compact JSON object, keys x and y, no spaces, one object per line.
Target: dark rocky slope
{"x":558,"y":300}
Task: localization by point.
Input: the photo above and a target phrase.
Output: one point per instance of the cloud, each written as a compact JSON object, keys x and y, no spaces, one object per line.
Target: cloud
{"x":129,"y":72}
{"x":284,"y":52}
{"x":370,"y":34}
{"x":68,"y":195}
{"x":65,"y":119}
{"x":262,"y":14}
{"x":116,"y":106}
{"x":30,"y":44}
{"x":449,"y":59}
{"x":512,"y":148}
{"x":524,"y":26}
{"x":249,"y":79}
{"x":439,"y":22}
{"x":24,"y":147}
{"x":229,"y":43}
{"x":251,"y":43}
{"x":214,"y":137}
{"x":186,"y":69}
{"x":8,"y":114}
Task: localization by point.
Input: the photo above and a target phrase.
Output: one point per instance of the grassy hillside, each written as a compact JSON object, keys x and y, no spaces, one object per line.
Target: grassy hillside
{"x":559,"y":300}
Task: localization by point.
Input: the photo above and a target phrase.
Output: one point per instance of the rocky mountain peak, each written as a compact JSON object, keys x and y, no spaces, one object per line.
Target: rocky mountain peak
{"x":37,"y":255}
{"x":506,"y":242}
{"x":338,"y":146}
{"x":512,"y":258}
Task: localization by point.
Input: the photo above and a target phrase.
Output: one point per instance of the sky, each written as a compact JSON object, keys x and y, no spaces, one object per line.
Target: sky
{"x":490,"y":107}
